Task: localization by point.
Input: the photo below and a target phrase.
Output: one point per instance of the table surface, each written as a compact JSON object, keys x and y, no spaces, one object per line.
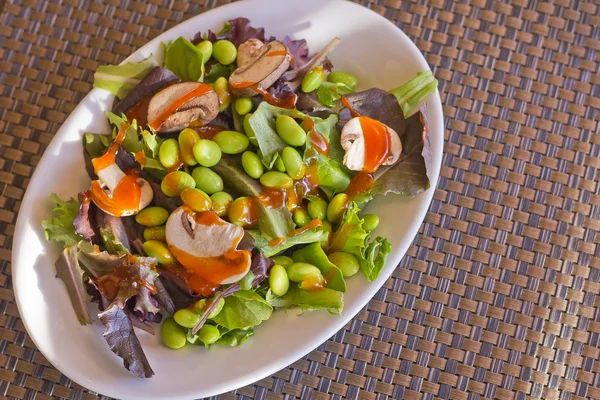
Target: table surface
{"x":499,"y":295}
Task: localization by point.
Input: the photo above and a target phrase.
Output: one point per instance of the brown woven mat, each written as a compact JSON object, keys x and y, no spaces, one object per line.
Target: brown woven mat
{"x":499,"y":295}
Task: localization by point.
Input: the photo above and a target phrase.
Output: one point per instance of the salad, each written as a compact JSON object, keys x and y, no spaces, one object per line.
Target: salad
{"x":232,"y":185}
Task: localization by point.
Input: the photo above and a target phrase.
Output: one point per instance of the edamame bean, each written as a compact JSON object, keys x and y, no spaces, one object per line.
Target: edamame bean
{"x":223,"y":90}
{"x":152,"y":216}
{"x":224,"y":52}
{"x":207,"y":180}
{"x":275,"y":179}
{"x":174,"y":182}
{"x":313,"y":79}
{"x":217,"y":309}
{"x":248,"y":130}
{"x":329,"y":228}
{"x":371,"y":221}
{"x":209,"y":334}
{"x":242,"y":212}
{"x":186,"y":318}
{"x":300,"y":217}
{"x":284,"y":261}
{"x":206,"y":48}
{"x":168,"y":153}
{"x":278,"y":280}
{"x":155,"y":248}
{"x":297,"y":272}
{"x":337,"y":207}
{"x":196,"y":199}
{"x":292,"y":160}
{"x":187,"y":139}
{"x":343,"y":77}
{"x":317,"y":209}
{"x":221,"y":202}
{"x":200,"y":306}
{"x":172,"y":334}
{"x":231,"y":142}
{"x":346,"y":262}
{"x":243,"y":105}
{"x":289,"y":130}
{"x":207,"y":153}
{"x":279,"y":165}
{"x":252,"y":164}
{"x":155,"y":233}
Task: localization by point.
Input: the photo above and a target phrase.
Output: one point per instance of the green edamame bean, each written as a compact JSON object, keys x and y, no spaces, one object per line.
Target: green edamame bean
{"x":284,"y":261}
{"x":243,"y":105}
{"x":278,"y":280}
{"x":275,"y":179}
{"x":248,"y":130}
{"x":327,"y":225}
{"x":297,"y":272}
{"x":174,"y":182}
{"x":200,"y":306}
{"x":221,"y":202}
{"x":206,"y":48}
{"x":172,"y":334}
{"x":209,"y":334}
{"x":242,"y":212}
{"x":152,"y":216}
{"x":187,"y":139}
{"x":292,"y":160}
{"x":155,"y":233}
{"x":196,"y":199}
{"x":207,"y":180}
{"x":207,"y":153}
{"x":300,"y":217}
{"x":371,"y":221}
{"x":346,"y":262}
{"x":317,"y":209}
{"x":168,"y":153}
{"x":223,"y":90}
{"x":217,"y":309}
{"x":186,"y":318}
{"x":231,"y":142}
{"x":313,"y":79}
{"x":279,"y":165}
{"x":337,"y":207}
{"x":155,"y":248}
{"x":289,"y":130}
{"x":343,"y":77}
{"x":224,"y":52}
{"x":252,"y":164}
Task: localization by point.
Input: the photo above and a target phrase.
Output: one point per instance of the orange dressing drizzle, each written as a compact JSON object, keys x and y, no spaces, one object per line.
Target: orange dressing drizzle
{"x":316,"y":140}
{"x":347,"y":104}
{"x":289,"y":102}
{"x":313,"y":284}
{"x":140,"y":157}
{"x":180,"y":102}
{"x":360,"y":183}
{"x":208,"y":131}
{"x":377,"y":143}
{"x":311,"y":225}
{"x":139,"y":112}
{"x":277,"y":241}
{"x":277,"y":53}
{"x":124,"y":275}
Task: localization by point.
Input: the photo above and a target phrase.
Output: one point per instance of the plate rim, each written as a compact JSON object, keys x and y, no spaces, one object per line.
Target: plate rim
{"x":309,"y":345}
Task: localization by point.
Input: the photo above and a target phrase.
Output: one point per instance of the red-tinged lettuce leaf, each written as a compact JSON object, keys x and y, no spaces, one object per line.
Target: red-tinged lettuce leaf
{"x":157,"y":79}
{"x":69,"y":271}
{"x":236,"y":30}
{"x":85,"y":222}
{"x":163,"y":297}
{"x":377,"y":104}
{"x":97,"y":263}
{"x":121,"y":338}
{"x":298,"y":49}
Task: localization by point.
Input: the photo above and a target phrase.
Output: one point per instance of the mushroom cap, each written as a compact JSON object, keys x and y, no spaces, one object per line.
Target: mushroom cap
{"x":204,"y":241}
{"x":204,"y":107}
{"x":272,"y":60}
{"x":353,"y":142}
{"x":248,"y":51}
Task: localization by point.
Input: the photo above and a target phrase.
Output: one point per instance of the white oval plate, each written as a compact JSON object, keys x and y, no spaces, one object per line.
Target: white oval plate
{"x":373,"y":49}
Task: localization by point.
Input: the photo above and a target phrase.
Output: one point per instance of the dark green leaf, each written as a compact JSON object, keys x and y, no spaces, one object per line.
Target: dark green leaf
{"x":184,"y":60}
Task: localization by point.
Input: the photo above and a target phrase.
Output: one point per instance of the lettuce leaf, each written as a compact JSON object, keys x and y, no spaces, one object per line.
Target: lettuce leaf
{"x":121,"y":79}
{"x":374,"y":257}
{"x":235,"y":337}
{"x":314,"y":254}
{"x":112,"y":244}
{"x":243,"y":310}
{"x":261,"y":241}
{"x":329,"y":94}
{"x":184,"y":60}
{"x":329,"y":299}
{"x":236,"y":30}
{"x":69,"y":271}
{"x":60,"y":227}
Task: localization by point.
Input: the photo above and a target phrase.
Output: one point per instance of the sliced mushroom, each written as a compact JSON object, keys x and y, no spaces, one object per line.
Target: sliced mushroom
{"x":272,"y":60}
{"x":176,"y":106}
{"x":353,"y":139}
{"x":206,"y":241}
{"x":248,"y":51}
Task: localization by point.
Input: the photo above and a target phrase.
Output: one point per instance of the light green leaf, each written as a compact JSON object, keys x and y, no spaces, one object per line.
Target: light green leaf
{"x":314,"y":254}
{"x":329,"y":299}
{"x":374,"y":259}
{"x":121,"y":79}
{"x":235,"y":337}
{"x":329,"y":93}
{"x":184,"y":60}
{"x":261,"y":241}
{"x":111,"y":243}
{"x":243,"y":310}
{"x":60,"y":227}
{"x":350,"y":236}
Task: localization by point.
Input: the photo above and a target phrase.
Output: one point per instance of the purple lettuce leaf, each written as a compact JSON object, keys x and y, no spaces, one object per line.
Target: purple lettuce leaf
{"x":298,"y":49}
{"x":377,"y":104}
{"x":85,"y":222}
{"x":163,"y":298}
{"x":97,"y":263}
{"x":121,"y":338}
{"x":238,"y":31}
{"x":69,"y":271}
{"x":157,"y":79}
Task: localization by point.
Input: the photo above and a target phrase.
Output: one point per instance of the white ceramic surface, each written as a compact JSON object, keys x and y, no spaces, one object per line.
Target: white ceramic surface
{"x":372,"y":48}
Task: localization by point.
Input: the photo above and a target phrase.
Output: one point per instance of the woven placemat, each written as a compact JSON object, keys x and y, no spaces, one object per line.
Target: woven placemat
{"x":499,"y":295}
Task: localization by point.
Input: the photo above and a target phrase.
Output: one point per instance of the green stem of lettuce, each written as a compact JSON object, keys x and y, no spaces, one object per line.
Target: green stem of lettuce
{"x":412,"y":94}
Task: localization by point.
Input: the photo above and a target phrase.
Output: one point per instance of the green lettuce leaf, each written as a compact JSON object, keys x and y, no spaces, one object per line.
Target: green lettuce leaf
{"x":329,"y":299}
{"x":261,"y":241}
{"x":60,"y":227}
{"x":235,"y":337}
{"x":314,"y":254}
{"x":96,"y":144}
{"x":111,"y":243}
{"x":329,"y":93}
{"x":374,"y":258}
{"x":243,"y":310}
{"x":184,"y":60}
{"x":120,"y":79}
